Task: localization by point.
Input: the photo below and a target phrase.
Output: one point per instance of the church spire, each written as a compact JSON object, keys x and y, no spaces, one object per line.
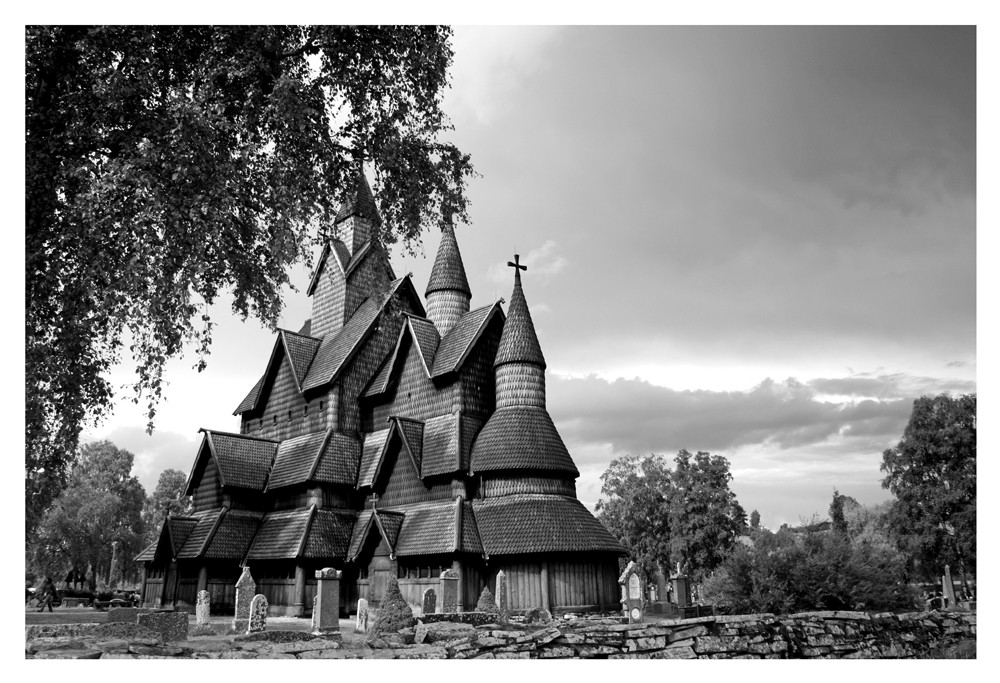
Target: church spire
{"x":448,"y":292}
{"x":519,"y":343}
{"x":358,"y":216}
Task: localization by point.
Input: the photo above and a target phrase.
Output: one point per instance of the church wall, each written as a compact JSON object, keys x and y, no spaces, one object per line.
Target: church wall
{"x":561,"y":582}
{"x":505,"y":486}
{"x":328,"y":300}
{"x":416,"y":396}
{"x":286,"y":413}
{"x":478,"y":388}
{"x":362,"y":369}
{"x":405,"y":487}
{"x":445,"y":307}
{"x":370,"y":277}
{"x":208,"y":492}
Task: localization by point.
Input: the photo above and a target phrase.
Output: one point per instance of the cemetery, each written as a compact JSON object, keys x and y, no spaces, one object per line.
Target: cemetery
{"x":493,"y":631}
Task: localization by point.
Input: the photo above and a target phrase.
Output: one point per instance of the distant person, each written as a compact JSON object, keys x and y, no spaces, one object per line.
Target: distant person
{"x":48,"y":594}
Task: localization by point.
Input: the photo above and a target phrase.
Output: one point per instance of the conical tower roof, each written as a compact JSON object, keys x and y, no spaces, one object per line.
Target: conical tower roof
{"x":519,"y":343}
{"x":448,"y":272}
{"x":359,"y":201}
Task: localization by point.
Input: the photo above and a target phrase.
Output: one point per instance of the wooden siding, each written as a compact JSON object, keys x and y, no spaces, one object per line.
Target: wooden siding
{"x":403,"y":486}
{"x":573,"y":584}
{"x":286,"y":413}
{"x":370,"y":277}
{"x":152,"y":592}
{"x":361,"y":370}
{"x":504,"y":486}
{"x":208,"y":490}
{"x":328,"y":300}
{"x":477,"y":377}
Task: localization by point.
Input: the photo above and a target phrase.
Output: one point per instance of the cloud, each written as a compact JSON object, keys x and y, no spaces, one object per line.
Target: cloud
{"x":543,"y":264}
{"x":153,"y":453}
{"x":890,"y":386}
{"x":490,"y":64}
{"x":635,"y":416}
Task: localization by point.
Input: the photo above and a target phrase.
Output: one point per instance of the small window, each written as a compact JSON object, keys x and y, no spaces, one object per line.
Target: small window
{"x":274,"y":419}
{"x":289,"y":416}
{"x":321,"y":406}
{"x":305,"y":410}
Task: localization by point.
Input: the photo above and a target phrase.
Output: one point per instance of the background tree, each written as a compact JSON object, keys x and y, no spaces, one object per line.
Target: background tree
{"x":102,"y":503}
{"x":932,"y":473}
{"x":705,"y":517}
{"x":635,"y":508}
{"x":167,"y":164}
{"x":794,"y":571}
{"x":168,"y":497}
{"x":663,"y":516}
{"x":755,"y":520}
{"x":839,"y":505}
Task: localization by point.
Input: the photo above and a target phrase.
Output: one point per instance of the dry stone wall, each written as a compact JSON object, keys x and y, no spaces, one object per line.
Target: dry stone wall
{"x":831,"y":635}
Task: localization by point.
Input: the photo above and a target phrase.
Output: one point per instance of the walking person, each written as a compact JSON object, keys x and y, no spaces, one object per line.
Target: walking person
{"x":48,"y":594}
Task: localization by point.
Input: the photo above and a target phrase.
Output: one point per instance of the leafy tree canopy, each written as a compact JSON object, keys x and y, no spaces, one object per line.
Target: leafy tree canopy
{"x":167,"y":164}
{"x":101,"y":504}
{"x":793,"y":571}
{"x":932,"y":473}
{"x":168,"y":497}
{"x":665,"y":516}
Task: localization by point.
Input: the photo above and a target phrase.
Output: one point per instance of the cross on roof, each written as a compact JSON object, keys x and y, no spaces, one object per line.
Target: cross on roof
{"x":516,"y":263}
{"x":374,"y":499}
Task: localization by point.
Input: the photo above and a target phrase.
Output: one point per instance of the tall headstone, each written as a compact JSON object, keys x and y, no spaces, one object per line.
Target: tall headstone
{"x":327,"y":602}
{"x":246,"y":588}
{"x":258,"y":614}
{"x":633,"y":593}
{"x":315,"y":612}
{"x":361,"y":625}
{"x":948,"y":588}
{"x":429,"y":603}
{"x":449,"y":591}
{"x":202,"y":608}
{"x":503,"y":606}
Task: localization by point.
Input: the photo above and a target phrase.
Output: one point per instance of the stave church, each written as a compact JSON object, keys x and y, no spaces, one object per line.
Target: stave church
{"x":389,"y":436}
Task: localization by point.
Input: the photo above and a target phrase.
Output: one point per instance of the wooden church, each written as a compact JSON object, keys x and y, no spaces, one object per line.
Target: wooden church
{"x":390,"y":435}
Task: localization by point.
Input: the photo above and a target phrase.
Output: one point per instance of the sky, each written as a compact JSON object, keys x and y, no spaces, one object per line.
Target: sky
{"x":754,"y":241}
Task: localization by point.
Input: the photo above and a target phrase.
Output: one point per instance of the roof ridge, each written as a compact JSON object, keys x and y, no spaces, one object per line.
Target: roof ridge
{"x":238,"y":436}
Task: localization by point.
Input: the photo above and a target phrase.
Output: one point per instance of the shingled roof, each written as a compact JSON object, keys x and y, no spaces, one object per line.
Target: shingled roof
{"x":339,"y":251}
{"x":534,"y":523}
{"x":336,"y":351}
{"x":438,"y":528}
{"x":338,"y":461}
{"x":448,"y":272}
{"x":195,"y":544}
{"x":329,"y":534}
{"x":282,"y":535}
{"x":422,"y":333}
{"x":386,"y":523}
{"x":298,"y":349}
{"x":359,"y":201}
{"x":296,"y":459}
{"x":519,"y":343}
{"x":521,"y":438}
{"x":233,"y":535}
{"x":371,"y":456}
{"x":460,"y":339}
{"x":243,"y":461}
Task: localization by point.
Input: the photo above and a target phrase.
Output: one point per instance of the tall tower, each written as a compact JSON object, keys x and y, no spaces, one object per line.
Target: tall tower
{"x":448,"y":292}
{"x":519,"y":449}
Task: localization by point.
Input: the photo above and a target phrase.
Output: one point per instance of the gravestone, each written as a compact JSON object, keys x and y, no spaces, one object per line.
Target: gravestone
{"x":430,"y":601}
{"x":502,"y":600}
{"x":633,"y":593}
{"x":203,"y":608}
{"x":116,"y":570}
{"x":449,"y":591}
{"x":362,"y":623}
{"x":170,"y":625}
{"x":258,"y":614}
{"x":487,"y":603}
{"x":315,"y":612}
{"x":948,"y":588}
{"x":246,"y":588}
{"x":327,"y":602}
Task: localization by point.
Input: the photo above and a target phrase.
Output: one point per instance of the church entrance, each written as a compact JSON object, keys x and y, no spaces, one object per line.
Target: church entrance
{"x":380,"y":568}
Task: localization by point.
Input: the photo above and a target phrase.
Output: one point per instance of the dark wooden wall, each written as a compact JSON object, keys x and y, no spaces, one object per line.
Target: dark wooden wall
{"x":208,"y":491}
{"x":574,"y":583}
